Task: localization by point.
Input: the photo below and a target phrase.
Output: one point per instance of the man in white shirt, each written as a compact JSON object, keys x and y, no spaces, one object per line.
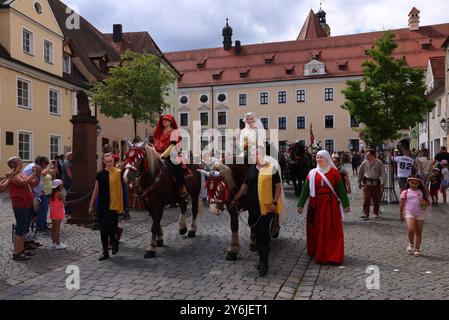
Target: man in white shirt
{"x":405,"y":165}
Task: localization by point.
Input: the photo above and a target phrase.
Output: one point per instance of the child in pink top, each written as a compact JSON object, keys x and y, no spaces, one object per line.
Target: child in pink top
{"x":414,"y":200}
{"x":57,"y":204}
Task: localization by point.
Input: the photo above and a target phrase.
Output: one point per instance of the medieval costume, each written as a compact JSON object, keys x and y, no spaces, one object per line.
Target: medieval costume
{"x":110,"y":205}
{"x":166,"y":144}
{"x":251,"y":136}
{"x":261,"y":181}
{"x":324,"y":214}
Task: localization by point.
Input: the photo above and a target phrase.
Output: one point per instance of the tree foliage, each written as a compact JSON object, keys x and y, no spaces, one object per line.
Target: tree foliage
{"x":391,"y":96}
{"x":137,"y":87}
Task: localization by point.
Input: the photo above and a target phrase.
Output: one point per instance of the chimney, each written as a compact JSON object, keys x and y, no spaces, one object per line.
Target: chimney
{"x":117,"y":33}
{"x":413,"y":19}
{"x":238,"y":48}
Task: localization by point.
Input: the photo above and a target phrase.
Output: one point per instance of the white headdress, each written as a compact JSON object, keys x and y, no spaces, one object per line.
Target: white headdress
{"x":312,"y":173}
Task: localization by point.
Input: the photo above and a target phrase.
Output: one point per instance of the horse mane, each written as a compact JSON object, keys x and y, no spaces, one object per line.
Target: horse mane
{"x":154,"y":160}
{"x":227,"y":174}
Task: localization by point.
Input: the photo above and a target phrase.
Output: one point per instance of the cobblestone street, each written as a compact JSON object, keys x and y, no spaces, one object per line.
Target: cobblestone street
{"x":196,"y":268}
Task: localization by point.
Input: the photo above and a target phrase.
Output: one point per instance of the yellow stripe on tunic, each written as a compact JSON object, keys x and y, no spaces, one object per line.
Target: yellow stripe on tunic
{"x":265,"y":190}
{"x":115,"y":190}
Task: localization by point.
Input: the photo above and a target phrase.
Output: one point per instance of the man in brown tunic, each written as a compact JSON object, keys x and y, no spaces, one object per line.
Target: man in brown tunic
{"x":371,"y":179}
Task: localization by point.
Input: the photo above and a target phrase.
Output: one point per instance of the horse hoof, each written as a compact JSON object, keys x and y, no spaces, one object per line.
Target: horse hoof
{"x":182,"y":231}
{"x":253,"y":247}
{"x":231,"y":256}
{"x":275,"y":235}
{"x":191,"y":234}
{"x":159,"y":243}
{"x":149,"y":254}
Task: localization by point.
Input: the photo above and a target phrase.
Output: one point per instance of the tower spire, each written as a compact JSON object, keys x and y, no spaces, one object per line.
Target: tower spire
{"x":227,"y":36}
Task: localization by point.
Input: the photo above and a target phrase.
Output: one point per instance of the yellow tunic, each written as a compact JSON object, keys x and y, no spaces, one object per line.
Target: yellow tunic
{"x":115,"y":190}
{"x":265,"y":190}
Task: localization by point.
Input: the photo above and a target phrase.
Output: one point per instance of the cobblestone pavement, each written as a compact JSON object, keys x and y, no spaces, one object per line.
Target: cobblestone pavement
{"x":382,"y":243}
{"x":195,"y":269}
{"x":184,"y":268}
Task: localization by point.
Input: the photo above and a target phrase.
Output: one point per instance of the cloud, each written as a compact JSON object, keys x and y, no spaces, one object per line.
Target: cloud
{"x":192,"y":24}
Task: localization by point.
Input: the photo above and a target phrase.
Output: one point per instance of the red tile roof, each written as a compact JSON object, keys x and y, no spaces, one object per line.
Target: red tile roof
{"x":140,"y":42}
{"x":438,"y":67}
{"x":311,"y":28}
{"x":87,"y":43}
{"x":349,"y":48}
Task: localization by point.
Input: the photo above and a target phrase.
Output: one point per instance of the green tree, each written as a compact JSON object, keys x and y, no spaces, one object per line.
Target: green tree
{"x":391,"y":96}
{"x":137,"y":87}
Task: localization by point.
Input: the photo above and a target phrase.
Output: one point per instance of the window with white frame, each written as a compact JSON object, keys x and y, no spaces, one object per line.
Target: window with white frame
{"x":48,"y":51}
{"x":27,"y":41}
{"x":264,"y":98}
{"x":204,"y":118}
{"x":354,"y":122}
{"x":222,"y":118}
{"x":184,"y":119}
{"x":243,"y":100}
{"x":23,"y":93}
{"x":329,"y":145}
{"x":301,"y":96}
{"x":55,"y":146}
{"x":282,"y":97}
{"x":329,"y":121}
{"x":282,"y":123}
{"x":300,"y":122}
{"x":329,"y":94}
{"x":25,"y":145}
{"x":67,"y":64}
{"x":54,"y":102}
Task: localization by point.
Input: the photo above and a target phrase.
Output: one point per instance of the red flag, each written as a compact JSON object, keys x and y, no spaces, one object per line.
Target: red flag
{"x":312,"y":137}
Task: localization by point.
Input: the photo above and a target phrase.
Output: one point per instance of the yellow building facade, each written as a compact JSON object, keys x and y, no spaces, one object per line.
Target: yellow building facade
{"x":36,"y":103}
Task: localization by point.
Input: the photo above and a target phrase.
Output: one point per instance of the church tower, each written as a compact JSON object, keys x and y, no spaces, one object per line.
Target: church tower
{"x":321,"y":16}
{"x":227,"y":36}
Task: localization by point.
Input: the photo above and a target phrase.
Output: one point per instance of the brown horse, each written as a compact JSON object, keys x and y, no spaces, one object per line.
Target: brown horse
{"x":222,"y":190}
{"x":147,"y":173}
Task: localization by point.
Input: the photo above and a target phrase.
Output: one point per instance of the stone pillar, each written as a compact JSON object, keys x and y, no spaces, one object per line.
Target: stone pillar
{"x":84,"y":163}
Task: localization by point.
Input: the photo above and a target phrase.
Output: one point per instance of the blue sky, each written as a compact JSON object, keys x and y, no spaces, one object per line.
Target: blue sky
{"x":191,"y":24}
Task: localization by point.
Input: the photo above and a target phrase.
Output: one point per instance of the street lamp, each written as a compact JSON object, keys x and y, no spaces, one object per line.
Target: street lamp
{"x":443,"y":124}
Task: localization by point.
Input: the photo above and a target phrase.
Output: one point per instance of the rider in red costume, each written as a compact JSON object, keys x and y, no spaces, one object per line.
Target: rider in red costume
{"x":166,"y":140}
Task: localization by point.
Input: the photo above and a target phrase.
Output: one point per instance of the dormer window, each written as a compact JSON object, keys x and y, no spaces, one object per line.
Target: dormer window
{"x":244,"y":73}
{"x":269,"y":59}
{"x":342,"y":65}
{"x":217,"y":75}
{"x":366,"y":49}
{"x":425,"y":43}
{"x":201,"y":63}
{"x":101,"y":61}
{"x":289,"y":69}
{"x":316,"y":55}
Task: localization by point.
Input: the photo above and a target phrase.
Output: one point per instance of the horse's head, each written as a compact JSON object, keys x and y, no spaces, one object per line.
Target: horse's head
{"x":134,"y":162}
{"x":218,"y":191}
